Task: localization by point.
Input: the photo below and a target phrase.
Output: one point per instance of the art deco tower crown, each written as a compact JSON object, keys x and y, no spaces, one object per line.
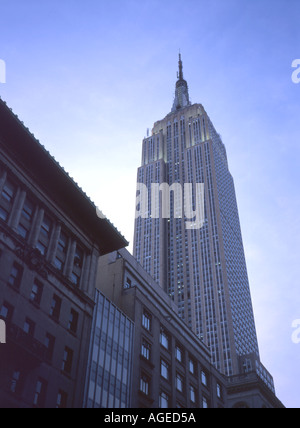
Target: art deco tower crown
{"x":182,"y":98}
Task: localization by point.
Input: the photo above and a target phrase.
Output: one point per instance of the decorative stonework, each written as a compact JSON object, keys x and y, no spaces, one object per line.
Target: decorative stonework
{"x":34,"y":259}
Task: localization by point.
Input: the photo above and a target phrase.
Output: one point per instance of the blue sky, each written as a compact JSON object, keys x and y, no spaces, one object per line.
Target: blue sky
{"x":89,"y":77}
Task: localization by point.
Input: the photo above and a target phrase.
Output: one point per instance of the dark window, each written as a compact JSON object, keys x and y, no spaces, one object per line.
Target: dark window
{"x":16,"y":382}
{"x":179,"y":354}
{"x":49,"y":344}
{"x":163,"y":400}
{"x":146,"y":350}
{"x":46,"y":227}
{"x":204,"y":378}
{"x":45,"y":232}
{"x":145,"y":384}
{"x":164,"y":369}
{"x":77,"y":268}
{"x":62,"y":243}
{"x":73,"y":322}
{"x":26,"y":219}
{"x":205,"y":403}
{"x":164,"y":338}
{"x":40,"y":393}
{"x":6,"y":312}
{"x":192,"y":367}
{"x":179,"y":382}
{"x":36,"y":292}
{"x":28,"y":209}
{"x":67,"y":361}
{"x":62,"y":249}
{"x":75,"y":278}
{"x":9,"y":192}
{"x":128,"y":283}
{"x":29,"y":327}
{"x":55,"y":307}
{"x":78,"y":259}
{"x":62,"y":400}
{"x":7,"y":199}
{"x":146,"y":320}
{"x":15,"y":276}
{"x":219,"y":391}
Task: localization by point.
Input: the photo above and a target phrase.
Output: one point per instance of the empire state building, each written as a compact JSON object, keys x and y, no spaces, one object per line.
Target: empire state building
{"x":202,"y":269}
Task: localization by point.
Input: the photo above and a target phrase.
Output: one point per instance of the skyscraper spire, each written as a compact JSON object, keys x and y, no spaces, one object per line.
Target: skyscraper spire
{"x":182,"y":98}
{"x":180,"y":76}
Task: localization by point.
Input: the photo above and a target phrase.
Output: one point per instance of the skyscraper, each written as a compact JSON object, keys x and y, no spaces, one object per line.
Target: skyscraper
{"x":202,"y":268}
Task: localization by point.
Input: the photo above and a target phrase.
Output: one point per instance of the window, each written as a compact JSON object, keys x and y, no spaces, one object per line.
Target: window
{"x":36,"y":292}
{"x":204,"y":378}
{"x":73,"y":322}
{"x":15,"y":276}
{"x":179,"y":354}
{"x":164,"y":369}
{"x":62,"y":245}
{"x":219,"y":391}
{"x":164,"y":338}
{"x":75,"y":278}
{"x":55,"y":307}
{"x":146,"y":350}
{"x":205,"y":404}
{"x":192,"y":394}
{"x":44,"y":238}
{"x":67,"y":361}
{"x":62,"y":400}
{"x":7,"y":199}
{"x":40,"y":393}
{"x":163,"y":400}
{"x":146,"y":321}
{"x":15,"y":382}
{"x":78,"y":259}
{"x":49,"y":344}
{"x":144,"y":384}
{"x":6,"y":312}
{"x":179,"y":382}
{"x":128,"y":283}
{"x":46,"y":227}
{"x":192,"y":367}
{"x":29,"y":327}
{"x":26,"y":219}
{"x":61,"y":254}
{"x":8,"y":192}
{"x":77,"y":268}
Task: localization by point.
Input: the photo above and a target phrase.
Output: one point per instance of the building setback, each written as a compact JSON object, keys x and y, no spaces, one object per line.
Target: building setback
{"x":50,"y":242}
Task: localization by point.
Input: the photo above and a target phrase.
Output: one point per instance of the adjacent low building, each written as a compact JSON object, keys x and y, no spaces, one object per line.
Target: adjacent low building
{"x":142,"y":350}
{"x":171,"y":366}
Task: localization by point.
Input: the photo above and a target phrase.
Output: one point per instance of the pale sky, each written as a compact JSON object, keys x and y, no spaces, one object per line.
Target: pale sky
{"x":89,"y":77}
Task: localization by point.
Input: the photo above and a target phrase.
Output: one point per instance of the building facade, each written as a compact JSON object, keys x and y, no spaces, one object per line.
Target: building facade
{"x":109,"y":375}
{"x":171,"y":367}
{"x":50,"y":242}
{"x":202,"y":267}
